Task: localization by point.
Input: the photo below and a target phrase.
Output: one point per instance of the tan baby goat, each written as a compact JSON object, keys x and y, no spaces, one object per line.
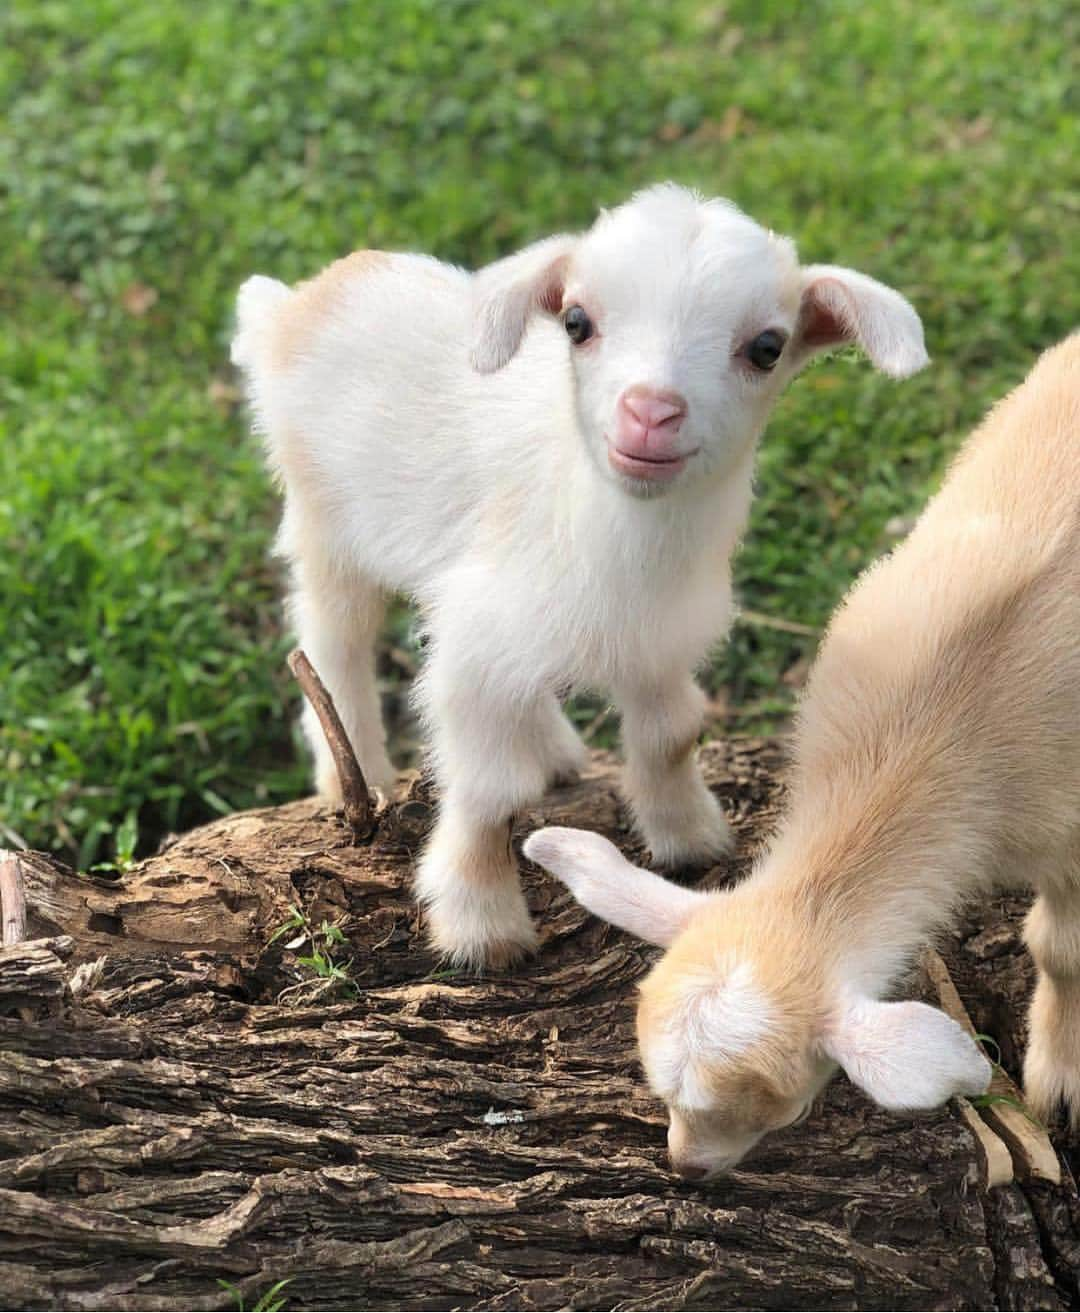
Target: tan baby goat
{"x":937,"y":756}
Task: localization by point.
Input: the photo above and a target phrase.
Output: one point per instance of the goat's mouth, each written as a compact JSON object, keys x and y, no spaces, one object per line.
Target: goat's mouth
{"x":650,"y":469}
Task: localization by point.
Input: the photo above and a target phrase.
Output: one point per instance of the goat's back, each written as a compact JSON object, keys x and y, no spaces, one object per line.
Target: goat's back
{"x":952,"y":671}
{"x":388,"y":443}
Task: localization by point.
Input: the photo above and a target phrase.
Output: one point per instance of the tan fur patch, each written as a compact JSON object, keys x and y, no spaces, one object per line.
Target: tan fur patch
{"x":313,"y":300}
{"x":489,"y":858}
{"x":292,"y":466}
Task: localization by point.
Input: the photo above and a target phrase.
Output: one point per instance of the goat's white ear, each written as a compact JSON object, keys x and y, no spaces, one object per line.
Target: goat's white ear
{"x":840,"y":305}
{"x":602,"y":880}
{"x":906,"y":1055}
{"x":507,"y":293}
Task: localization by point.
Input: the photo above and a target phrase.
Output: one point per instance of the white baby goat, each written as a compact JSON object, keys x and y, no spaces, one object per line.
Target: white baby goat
{"x":553,"y":457}
{"x":937,"y":756}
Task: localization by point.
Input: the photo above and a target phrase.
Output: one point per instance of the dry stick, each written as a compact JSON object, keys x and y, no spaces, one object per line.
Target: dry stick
{"x":12,"y":898}
{"x":997,"y":1159}
{"x":761,"y":621}
{"x":13,"y":915}
{"x":357,"y":801}
{"x":1028,"y":1143}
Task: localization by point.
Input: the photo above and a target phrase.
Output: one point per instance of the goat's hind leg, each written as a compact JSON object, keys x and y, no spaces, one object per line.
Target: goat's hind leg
{"x":557,"y":744}
{"x":1052,"y":931}
{"x":677,"y":815}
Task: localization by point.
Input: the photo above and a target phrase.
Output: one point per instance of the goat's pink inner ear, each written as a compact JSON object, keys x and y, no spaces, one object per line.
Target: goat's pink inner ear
{"x":551,"y":295}
{"x":509,"y":291}
{"x":826,"y":315}
{"x":842,"y":305}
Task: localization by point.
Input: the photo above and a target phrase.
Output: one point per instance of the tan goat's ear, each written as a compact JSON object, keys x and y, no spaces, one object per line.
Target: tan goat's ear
{"x":602,"y":880}
{"x":509,"y":292}
{"x":840,"y":305}
{"x":906,"y":1056}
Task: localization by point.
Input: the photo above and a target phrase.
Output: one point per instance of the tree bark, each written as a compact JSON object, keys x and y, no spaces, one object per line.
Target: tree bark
{"x":203,"y":1108}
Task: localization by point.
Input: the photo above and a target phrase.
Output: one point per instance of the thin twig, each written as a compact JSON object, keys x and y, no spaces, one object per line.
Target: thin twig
{"x":357,"y":802}
{"x":12,"y":898}
{"x":1026,"y":1138}
{"x":13,"y":836}
{"x":761,"y":621}
{"x":597,"y":723}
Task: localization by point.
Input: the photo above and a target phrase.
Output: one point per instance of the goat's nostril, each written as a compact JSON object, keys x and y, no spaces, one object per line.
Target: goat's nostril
{"x":655,"y":410}
{"x":690,"y":1171}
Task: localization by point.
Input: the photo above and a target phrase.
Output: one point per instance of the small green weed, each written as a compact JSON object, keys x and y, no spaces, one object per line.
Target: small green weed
{"x":270,"y":1301}
{"x":125,"y":841}
{"x":323,"y":942}
{"x":989,"y":1042}
{"x":989,"y":1100}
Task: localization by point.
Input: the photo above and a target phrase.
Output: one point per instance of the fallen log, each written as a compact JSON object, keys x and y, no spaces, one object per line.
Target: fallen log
{"x":207,"y":1107}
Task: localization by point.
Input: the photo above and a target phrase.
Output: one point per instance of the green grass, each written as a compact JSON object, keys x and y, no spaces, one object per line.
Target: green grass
{"x":156,"y":154}
{"x":270,"y":1301}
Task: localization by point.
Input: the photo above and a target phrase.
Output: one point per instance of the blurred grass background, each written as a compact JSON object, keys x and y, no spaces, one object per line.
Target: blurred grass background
{"x":153,"y":155}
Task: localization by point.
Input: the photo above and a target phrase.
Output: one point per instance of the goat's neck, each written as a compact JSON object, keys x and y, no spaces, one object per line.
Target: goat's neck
{"x":692,"y":525}
{"x":872,"y":871}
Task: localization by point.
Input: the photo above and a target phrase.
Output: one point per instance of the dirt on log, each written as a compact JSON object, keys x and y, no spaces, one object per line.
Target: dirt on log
{"x":182,"y":1102}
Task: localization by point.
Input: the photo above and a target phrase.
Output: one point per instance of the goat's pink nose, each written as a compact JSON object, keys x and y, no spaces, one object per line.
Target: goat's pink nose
{"x":654,"y":410}
{"x":649,"y":420}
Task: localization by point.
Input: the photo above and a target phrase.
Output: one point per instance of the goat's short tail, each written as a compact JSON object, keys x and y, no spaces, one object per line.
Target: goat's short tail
{"x":257,"y":304}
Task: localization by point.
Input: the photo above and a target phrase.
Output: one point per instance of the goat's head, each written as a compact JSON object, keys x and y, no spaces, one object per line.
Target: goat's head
{"x":743,"y":1020}
{"x":684,"y":319}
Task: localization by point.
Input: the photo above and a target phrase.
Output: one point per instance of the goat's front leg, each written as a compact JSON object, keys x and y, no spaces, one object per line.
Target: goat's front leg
{"x":467,"y":882}
{"x":678,"y":817}
{"x":1052,"y":1061}
{"x":494,"y":753}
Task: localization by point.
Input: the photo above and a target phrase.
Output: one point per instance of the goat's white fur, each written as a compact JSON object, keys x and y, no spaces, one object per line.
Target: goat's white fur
{"x":712,"y":1022}
{"x":905,"y":1055}
{"x":646,"y":905}
{"x":437,"y":434}
{"x":936,"y":758}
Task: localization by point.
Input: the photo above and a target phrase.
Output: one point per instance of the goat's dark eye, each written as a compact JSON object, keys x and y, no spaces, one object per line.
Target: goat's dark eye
{"x":578,"y":325}
{"x":764,"y":351}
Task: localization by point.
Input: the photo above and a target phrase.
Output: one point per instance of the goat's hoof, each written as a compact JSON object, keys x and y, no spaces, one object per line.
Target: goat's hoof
{"x":501,"y":955}
{"x":482,"y":952}
{"x":479,"y":929}
{"x":568,"y":764}
{"x":702,"y":844}
{"x":1052,"y":1086}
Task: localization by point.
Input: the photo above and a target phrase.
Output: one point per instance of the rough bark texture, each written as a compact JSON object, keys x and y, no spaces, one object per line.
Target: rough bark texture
{"x":443,"y":1141}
